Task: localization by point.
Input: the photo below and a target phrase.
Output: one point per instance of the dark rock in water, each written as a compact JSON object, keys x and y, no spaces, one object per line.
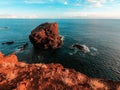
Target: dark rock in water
{"x":8,"y":43}
{"x":23,"y":47}
{"x":83,"y":48}
{"x":3,"y":28}
{"x":46,"y":36}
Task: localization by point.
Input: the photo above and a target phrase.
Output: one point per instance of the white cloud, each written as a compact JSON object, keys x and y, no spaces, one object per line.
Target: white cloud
{"x":93,"y":15}
{"x":111,"y":0}
{"x":7,"y":16}
{"x":45,"y":1}
{"x":77,"y":4}
{"x":98,"y":3}
{"x":92,"y":3}
{"x":86,"y":15}
{"x":75,"y":14}
{"x":18,"y":16}
{"x":65,"y":2}
{"x":38,"y":1}
{"x":95,"y":1}
{"x":51,"y":0}
{"x":112,"y":13}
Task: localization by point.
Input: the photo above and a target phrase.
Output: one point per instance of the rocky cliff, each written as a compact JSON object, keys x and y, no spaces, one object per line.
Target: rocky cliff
{"x":46,"y":36}
{"x":16,"y":75}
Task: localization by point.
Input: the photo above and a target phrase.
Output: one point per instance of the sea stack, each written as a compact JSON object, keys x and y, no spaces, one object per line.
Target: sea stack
{"x":46,"y":36}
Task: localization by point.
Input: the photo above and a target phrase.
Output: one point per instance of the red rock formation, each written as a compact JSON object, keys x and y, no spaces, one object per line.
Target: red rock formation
{"x":16,"y":75}
{"x":46,"y":36}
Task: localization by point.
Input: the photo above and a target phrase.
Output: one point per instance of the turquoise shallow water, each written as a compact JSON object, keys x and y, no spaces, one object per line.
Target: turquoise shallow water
{"x":102,"y":37}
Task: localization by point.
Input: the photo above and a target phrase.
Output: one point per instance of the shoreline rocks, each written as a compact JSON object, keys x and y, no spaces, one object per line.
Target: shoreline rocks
{"x":46,"y":36}
{"x":15,"y":75}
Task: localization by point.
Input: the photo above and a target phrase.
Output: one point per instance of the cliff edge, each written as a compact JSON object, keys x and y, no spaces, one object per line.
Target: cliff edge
{"x":16,"y":75}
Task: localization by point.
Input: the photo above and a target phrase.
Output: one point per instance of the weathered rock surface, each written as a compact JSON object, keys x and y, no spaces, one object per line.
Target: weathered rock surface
{"x":16,"y":75}
{"x":46,"y":36}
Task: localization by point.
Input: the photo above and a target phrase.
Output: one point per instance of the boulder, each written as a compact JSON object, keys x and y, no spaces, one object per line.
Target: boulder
{"x":46,"y":36}
{"x":83,"y":47}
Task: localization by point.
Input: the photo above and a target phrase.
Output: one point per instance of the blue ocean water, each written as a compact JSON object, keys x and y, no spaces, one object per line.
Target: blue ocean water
{"x":102,"y":37}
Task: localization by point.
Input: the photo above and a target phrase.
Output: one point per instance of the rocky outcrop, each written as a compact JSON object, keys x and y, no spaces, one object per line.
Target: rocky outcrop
{"x":83,"y":47}
{"x":16,"y":75}
{"x":46,"y":36}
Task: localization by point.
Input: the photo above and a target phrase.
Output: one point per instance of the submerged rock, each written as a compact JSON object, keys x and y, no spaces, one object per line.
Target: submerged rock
{"x":20,"y":49}
{"x":3,"y":28}
{"x":8,"y":43}
{"x":24,"y":46}
{"x":16,"y":75}
{"x":46,"y":36}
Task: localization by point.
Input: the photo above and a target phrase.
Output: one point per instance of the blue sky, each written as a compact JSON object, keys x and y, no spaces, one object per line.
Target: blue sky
{"x":60,"y":9}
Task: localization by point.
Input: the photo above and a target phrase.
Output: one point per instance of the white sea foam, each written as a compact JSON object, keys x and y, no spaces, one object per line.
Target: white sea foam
{"x":82,"y":48}
{"x":94,"y":51}
{"x":93,"y":48}
{"x":86,"y":49}
{"x":62,"y":38}
{"x":70,"y":53}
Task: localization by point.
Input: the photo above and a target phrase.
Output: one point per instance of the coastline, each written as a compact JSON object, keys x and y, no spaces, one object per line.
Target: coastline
{"x":22,"y":76}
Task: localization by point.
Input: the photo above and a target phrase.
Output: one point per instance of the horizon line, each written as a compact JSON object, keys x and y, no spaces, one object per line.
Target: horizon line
{"x":59,"y":18}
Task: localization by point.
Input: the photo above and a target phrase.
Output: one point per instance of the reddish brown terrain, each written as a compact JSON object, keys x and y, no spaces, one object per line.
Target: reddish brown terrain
{"x":46,"y":36}
{"x":16,"y":75}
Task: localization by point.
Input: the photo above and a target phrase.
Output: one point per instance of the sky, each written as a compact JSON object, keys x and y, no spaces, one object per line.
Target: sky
{"x":94,"y":9}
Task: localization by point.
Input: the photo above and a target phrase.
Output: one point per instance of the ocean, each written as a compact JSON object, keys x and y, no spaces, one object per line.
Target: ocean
{"x":101,"y":36}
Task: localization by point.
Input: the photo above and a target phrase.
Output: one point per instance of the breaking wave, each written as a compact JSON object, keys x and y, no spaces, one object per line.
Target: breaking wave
{"x":86,"y":50}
